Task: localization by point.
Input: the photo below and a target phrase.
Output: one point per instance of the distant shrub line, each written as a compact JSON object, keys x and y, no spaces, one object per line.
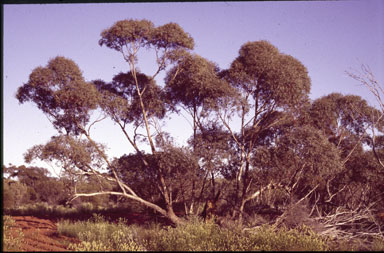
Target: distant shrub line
{"x":82,"y":212}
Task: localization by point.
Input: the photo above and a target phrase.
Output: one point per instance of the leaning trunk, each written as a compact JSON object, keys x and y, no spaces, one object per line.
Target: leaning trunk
{"x":173,"y":217}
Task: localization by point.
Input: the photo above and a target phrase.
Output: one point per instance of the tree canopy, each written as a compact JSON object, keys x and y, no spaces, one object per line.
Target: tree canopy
{"x":60,"y":91}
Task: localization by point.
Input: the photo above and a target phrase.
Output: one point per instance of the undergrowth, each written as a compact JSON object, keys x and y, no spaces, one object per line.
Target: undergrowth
{"x":100,"y":235}
{"x":97,"y":234}
{"x":201,"y":236}
{"x":13,"y":237}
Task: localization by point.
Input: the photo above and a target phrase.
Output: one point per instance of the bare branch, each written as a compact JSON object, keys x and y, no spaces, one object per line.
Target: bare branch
{"x":96,"y":121}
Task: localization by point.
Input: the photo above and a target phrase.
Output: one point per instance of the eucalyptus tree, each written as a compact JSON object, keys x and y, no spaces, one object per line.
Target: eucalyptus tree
{"x":61,"y":93}
{"x":267,"y":83}
{"x":368,"y":79}
{"x":346,"y":121}
{"x":39,"y":185}
{"x":301,"y":163}
{"x":16,"y":194}
{"x":194,"y":85}
{"x":128,"y":36}
{"x":179,"y":168}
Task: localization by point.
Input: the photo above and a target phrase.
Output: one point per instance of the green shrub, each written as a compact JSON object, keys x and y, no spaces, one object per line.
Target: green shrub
{"x":40,"y":209}
{"x":86,"y":207}
{"x":193,"y":235}
{"x":12,"y":239}
{"x":210,"y":237}
{"x":97,"y":234}
{"x":378,"y":244}
{"x":71,"y":229}
{"x":300,"y":239}
{"x":118,"y":241}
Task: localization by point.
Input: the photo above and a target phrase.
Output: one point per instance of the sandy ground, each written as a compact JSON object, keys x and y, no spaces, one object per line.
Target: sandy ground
{"x":41,"y":235}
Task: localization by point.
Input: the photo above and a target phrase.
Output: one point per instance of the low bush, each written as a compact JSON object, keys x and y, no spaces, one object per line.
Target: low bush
{"x":99,"y":235}
{"x":12,"y":238}
{"x":200,"y":236}
{"x":42,"y":210}
{"x":83,"y":211}
{"x":378,"y":244}
{"x":266,"y":238}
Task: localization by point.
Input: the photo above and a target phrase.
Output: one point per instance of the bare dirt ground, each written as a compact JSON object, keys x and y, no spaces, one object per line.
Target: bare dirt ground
{"x":41,"y":235}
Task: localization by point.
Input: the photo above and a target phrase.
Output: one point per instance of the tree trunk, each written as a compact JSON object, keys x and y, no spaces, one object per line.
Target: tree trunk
{"x":241,"y":211}
{"x":173,"y":217}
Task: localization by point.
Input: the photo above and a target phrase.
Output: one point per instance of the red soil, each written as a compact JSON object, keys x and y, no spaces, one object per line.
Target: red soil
{"x":41,"y":235}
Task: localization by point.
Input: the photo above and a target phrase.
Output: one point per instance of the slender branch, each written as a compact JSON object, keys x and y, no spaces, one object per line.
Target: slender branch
{"x":96,"y":121}
{"x":161,"y":63}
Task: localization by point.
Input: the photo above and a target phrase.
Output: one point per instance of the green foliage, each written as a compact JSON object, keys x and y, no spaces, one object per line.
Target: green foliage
{"x":335,"y":112}
{"x":59,"y":90}
{"x":82,"y":211}
{"x":37,"y":183}
{"x":14,"y":193}
{"x":305,"y":149}
{"x":210,"y":237}
{"x":125,"y":32}
{"x":172,"y":36}
{"x":345,"y":120}
{"x":378,"y":244}
{"x":284,"y":148}
{"x":193,"y":236}
{"x":99,"y":235}
{"x":68,"y":151}
{"x":12,"y":238}
{"x":301,"y":239}
{"x":194,"y":82}
{"x":43,"y":210}
{"x":121,"y":101}
{"x":117,"y":241}
{"x":177,"y":165}
{"x":86,"y":207}
{"x":8,"y":197}
{"x":269,"y":76}
{"x":142,"y":33}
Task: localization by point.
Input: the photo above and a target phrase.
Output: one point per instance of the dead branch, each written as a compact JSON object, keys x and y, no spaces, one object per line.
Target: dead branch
{"x":351,"y":224}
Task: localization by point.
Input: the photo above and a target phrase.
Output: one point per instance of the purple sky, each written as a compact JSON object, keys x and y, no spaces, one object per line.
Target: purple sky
{"x":328,"y":37}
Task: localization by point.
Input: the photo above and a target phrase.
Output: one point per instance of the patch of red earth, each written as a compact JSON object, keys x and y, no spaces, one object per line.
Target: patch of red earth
{"x":41,"y":235}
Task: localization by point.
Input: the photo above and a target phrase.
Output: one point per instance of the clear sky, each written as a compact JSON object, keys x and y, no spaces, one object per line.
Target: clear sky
{"x":328,"y":37}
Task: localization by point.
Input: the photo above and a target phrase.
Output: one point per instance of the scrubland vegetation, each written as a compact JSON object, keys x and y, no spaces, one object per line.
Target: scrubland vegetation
{"x":265,"y":167}
{"x":12,"y":240}
{"x":99,"y":233}
{"x":193,"y":236}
